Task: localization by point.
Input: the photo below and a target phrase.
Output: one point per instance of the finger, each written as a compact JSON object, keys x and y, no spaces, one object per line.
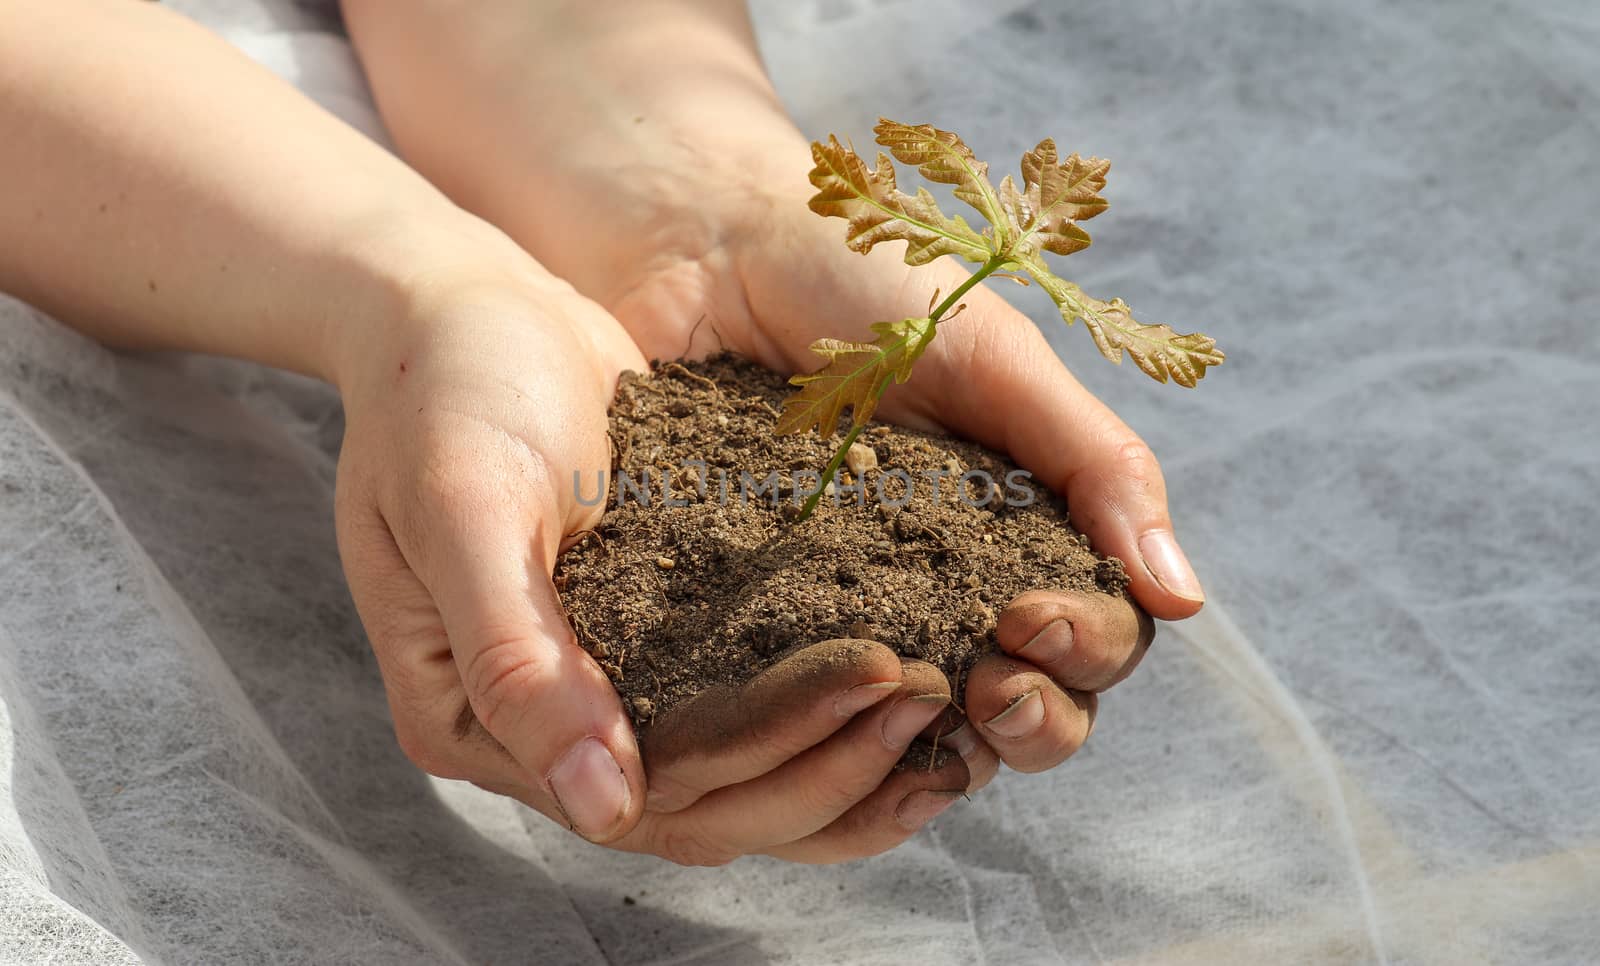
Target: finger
{"x":952,"y":732}
{"x":955,"y":733}
{"x":482,"y":543}
{"x":900,"y":806}
{"x":425,"y":695}
{"x":1085,"y":642}
{"x":728,"y":735}
{"x":808,"y":792}
{"x":993,"y":363}
{"x":1030,"y":722}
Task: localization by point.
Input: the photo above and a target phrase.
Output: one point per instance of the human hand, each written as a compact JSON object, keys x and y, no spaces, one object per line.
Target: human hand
{"x":469,"y":415}
{"x":474,"y":386}
{"x":671,"y":188}
{"x":769,"y":277}
{"x":718,"y":230}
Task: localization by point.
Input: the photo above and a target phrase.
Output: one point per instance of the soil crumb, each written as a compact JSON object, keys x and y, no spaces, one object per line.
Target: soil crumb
{"x":699,"y":574}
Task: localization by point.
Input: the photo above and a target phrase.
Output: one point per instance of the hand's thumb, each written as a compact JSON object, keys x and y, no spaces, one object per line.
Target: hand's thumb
{"x":529,"y":683}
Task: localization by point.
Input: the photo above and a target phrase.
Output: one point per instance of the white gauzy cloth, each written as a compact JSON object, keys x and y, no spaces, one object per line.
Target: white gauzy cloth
{"x":1379,"y":743}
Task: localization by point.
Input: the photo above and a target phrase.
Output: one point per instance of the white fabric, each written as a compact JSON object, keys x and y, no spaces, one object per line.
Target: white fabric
{"x":1380,"y":743}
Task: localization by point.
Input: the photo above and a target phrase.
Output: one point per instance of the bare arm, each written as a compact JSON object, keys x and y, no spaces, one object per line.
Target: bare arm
{"x":158,"y":189}
{"x":550,"y":118}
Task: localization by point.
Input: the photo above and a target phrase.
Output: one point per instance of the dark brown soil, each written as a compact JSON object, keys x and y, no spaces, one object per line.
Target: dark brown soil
{"x":674,"y":599}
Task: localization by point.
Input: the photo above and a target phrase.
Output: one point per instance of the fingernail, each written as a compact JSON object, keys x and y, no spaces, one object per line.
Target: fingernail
{"x":1049,"y":645}
{"x":1020,"y":717}
{"x":1166,"y":562}
{"x":919,"y":808}
{"x":963,"y":741}
{"x":907,"y":720}
{"x":863,"y":696}
{"x":590,"y":788}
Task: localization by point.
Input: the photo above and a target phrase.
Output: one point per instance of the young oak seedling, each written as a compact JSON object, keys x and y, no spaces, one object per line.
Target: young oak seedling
{"x":1024,"y":223}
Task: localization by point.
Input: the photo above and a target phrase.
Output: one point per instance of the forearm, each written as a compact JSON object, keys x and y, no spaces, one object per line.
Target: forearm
{"x":159,"y":190}
{"x":532,"y":114}
{"x":576,"y":73}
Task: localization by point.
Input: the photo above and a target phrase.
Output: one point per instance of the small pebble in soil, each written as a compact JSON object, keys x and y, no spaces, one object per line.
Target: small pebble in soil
{"x":860,"y":458}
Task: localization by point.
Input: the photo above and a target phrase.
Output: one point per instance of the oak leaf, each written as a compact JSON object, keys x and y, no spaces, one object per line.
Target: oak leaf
{"x":879,"y":211}
{"x":1157,"y":350}
{"x":1059,"y":195}
{"x":855,"y":375}
{"x":943,"y":157}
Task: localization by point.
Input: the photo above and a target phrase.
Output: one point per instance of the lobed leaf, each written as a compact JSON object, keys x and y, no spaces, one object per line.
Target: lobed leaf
{"x":1157,"y":350}
{"x":879,"y":211}
{"x":855,"y":375}
{"x":943,"y":157}
{"x":1059,"y":194}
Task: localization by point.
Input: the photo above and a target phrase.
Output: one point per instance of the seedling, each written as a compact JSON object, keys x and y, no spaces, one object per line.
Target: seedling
{"x":1023,"y":224}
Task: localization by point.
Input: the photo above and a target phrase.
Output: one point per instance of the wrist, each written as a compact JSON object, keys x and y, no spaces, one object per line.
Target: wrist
{"x":408,"y":269}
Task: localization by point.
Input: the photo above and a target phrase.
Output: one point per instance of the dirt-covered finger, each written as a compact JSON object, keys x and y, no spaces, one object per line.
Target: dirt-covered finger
{"x":905,"y":802}
{"x":1086,"y":642}
{"x":1031,"y":723}
{"x":805,"y":794}
{"x":729,"y":735}
{"x":981,"y":760}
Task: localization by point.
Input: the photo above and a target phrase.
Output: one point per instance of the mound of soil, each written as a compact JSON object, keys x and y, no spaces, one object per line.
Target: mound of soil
{"x":700,"y":575}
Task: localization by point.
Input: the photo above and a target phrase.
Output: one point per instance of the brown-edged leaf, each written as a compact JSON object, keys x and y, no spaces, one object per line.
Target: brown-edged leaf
{"x":878,"y":211}
{"x":856,"y":375}
{"x":1059,"y":194}
{"x":943,"y":157}
{"x":1156,"y":349}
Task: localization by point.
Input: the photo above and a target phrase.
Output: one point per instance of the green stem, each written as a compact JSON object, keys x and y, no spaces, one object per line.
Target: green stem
{"x":984,"y":271}
{"x":827,"y":474}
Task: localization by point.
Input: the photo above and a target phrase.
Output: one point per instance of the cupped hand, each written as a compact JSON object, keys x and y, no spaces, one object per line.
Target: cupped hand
{"x":468,"y":417}
{"x":670,"y":187}
{"x":721,"y":251}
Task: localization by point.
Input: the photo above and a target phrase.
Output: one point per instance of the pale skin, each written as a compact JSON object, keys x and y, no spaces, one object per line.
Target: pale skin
{"x":577,"y":190}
